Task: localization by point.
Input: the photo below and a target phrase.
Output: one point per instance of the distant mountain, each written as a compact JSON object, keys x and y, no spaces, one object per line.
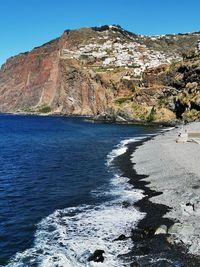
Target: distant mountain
{"x":106,"y":72}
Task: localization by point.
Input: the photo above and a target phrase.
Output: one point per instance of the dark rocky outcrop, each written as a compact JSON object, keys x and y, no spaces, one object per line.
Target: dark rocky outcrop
{"x":121,"y":238}
{"x":97,"y":256}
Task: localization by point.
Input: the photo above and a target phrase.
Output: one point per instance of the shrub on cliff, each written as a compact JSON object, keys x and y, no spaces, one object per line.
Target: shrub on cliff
{"x":151,"y":116}
{"x":44,"y":109}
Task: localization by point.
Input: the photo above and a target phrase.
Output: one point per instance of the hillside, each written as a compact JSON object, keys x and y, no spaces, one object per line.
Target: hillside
{"x":167,"y":93}
{"x":107,"y":72}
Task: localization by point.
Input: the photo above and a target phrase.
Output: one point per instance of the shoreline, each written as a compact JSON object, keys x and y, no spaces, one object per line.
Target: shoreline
{"x":175,"y":170}
{"x":92,"y":119}
{"x":150,"y":249}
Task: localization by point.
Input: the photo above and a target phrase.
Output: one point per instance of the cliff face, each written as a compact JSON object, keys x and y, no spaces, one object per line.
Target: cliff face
{"x":30,"y":79}
{"x":92,"y":71}
{"x":46,"y":80}
{"x":168,"y":93}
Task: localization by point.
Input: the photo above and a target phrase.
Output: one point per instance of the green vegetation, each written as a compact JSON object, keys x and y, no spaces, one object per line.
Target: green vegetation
{"x":151,"y":116}
{"x":28,"y":110}
{"x":172,"y":43}
{"x":129,"y":84}
{"x":193,"y":53}
{"x":133,"y":66}
{"x":123,"y":100}
{"x":108,"y":51}
{"x":102,"y":69}
{"x":84,"y":57}
{"x":113,"y":68}
{"x":191,"y":115}
{"x":139,"y":110}
{"x":44,"y":109}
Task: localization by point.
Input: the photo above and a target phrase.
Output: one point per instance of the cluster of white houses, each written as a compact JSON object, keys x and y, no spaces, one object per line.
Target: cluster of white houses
{"x":198,"y":45}
{"x":117,"y":54}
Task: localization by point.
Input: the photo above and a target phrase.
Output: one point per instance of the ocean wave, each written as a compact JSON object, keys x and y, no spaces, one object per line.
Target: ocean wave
{"x":121,"y":148}
{"x":68,"y":237}
{"x":120,"y":189}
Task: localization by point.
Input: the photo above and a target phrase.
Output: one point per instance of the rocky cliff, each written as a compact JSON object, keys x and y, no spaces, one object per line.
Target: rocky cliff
{"x":168,"y":93}
{"x":106,"y":71}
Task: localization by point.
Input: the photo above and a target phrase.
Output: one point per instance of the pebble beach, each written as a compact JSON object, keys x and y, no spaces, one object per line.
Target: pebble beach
{"x":174,"y":169}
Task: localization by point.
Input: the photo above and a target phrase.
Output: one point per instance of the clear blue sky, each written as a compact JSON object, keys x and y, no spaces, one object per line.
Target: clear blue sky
{"x":25,"y":24}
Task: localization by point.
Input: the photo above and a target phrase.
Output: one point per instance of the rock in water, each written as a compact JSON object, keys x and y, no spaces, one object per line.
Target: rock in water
{"x":120,"y":238}
{"x":97,"y":256}
{"x":162,"y":229}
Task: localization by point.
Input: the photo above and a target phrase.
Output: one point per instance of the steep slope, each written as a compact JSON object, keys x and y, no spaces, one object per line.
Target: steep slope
{"x":167,"y":93}
{"x":90,"y":71}
{"x":30,"y":79}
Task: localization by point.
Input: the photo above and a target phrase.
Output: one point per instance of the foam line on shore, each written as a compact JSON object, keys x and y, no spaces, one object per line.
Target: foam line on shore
{"x":69,"y":236}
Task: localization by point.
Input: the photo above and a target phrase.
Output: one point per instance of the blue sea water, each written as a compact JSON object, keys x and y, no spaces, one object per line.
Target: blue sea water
{"x":59,"y":197}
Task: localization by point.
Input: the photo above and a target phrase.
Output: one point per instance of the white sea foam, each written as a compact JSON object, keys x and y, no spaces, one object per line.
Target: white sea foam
{"x":68,"y":237}
{"x":120,"y":189}
{"x":168,"y":129}
{"x":121,"y":148}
